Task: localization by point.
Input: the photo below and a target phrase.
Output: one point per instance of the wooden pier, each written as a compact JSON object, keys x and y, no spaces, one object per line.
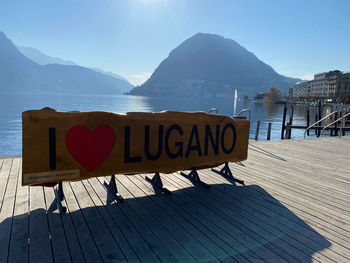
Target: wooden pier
{"x":294,"y":207}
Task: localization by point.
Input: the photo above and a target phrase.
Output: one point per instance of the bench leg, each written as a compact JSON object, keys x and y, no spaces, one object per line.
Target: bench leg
{"x":157,"y":183}
{"x":112,"y":189}
{"x":59,"y":198}
{"x":194,"y":178}
{"x":226,"y":172}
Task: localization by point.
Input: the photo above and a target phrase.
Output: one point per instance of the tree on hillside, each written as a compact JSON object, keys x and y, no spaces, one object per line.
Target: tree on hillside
{"x":272,"y":95}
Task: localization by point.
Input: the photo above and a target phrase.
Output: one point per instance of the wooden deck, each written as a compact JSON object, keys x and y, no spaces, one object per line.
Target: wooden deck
{"x":294,"y":208}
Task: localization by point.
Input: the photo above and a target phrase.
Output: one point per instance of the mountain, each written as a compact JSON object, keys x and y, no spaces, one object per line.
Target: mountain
{"x":20,"y":74}
{"x":210,"y":65}
{"x":43,"y":59}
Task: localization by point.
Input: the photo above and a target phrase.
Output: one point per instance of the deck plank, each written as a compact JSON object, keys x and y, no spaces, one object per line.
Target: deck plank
{"x":19,"y":247}
{"x":126,"y":225}
{"x":108,"y":249}
{"x":87,"y":244}
{"x":7,"y":208}
{"x":60,"y":249}
{"x":180,"y":243}
{"x":113,"y":227}
{"x":293,"y":208}
{"x":283,"y":223}
{"x":40,"y":247}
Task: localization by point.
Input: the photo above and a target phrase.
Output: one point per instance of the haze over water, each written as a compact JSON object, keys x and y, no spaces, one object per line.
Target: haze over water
{"x":12,"y":106}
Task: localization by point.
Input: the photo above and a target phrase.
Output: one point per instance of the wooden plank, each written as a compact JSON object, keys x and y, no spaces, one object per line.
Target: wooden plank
{"x":126,"y":225}
{"x":73,"y":242}
{"x":6,"y":215}
{"x":318,"y":220}
{"x":19,"y":247}
{"x":310,"y":202}
{"x":305,"y":167}
{"x":324,"y":156}
{"x":297,"y":182}
{"x":288,"y":178}
{"x":60,"y":249}
{"x":108,"y":248}
{"x":303,"y":238}
{"x":232,"y":237}
{"x":321,"y":158}
{"x":261,"y":247}
{"x":87,"y":243}
{"x":180,"y":243}
{"x":40,"y":247}
{"x":4,"y":177}
{"x":286,"y":220}
{"x":185,"y":220}
{"x":113,"y":227}
{"x":152,"y":240}
{"x":321,"y":222}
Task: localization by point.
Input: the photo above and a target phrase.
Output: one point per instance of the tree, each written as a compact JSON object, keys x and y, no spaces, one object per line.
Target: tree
{"x":272,"y":95}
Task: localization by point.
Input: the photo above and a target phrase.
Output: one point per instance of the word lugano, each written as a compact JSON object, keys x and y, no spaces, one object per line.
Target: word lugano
{"x":215,"y":138}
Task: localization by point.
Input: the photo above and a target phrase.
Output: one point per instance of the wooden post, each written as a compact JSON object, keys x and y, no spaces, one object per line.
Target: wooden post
{"x":335,"y":124}
{"x":291,"y":121}
{"x":284,"y":121}
{"x":319,"y":117}
{"x":288,"y":129}
{"x":308,"y":122}
{"x":269,"y":131}
{"x":257,"y":130}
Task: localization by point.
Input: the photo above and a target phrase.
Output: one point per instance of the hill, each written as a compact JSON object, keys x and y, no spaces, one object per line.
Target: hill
{"x":20,"y":74}
{"x":210,"y":65}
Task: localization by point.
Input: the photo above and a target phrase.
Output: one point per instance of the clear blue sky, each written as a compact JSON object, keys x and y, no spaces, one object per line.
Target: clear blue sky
{"x":131,"y":37}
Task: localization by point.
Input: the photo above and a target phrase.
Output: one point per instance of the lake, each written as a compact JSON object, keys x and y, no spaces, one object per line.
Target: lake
{"x":11,"y":107}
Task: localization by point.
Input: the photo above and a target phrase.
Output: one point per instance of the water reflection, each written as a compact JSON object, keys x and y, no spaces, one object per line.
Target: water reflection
{"x":271,"y":108}
{"x":12,"y":106}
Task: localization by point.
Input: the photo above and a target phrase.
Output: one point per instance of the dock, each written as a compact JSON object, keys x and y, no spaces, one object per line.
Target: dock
{"x":294,"y":207}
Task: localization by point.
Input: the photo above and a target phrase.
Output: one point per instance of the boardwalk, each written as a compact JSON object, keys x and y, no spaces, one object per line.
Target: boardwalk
{"x":294,"y":208}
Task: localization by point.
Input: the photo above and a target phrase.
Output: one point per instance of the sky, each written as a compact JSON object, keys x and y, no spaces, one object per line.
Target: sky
{"x":131,"y":37}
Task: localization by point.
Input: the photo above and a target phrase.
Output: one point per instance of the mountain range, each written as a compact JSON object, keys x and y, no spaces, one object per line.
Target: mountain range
{"x":43,"y":59}
{"x":21,"y":74}
{"x":210,"y":65}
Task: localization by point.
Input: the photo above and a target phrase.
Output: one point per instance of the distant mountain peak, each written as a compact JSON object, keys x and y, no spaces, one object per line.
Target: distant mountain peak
{"x":41,"y":58}
{"x":20,"y":74}
{"x":210,"y":65}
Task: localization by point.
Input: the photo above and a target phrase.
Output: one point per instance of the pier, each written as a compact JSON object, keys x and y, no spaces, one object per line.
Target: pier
{"x":294,"y":207}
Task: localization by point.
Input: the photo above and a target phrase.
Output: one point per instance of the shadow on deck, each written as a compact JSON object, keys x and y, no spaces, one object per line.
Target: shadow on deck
{"x":224,"y":223}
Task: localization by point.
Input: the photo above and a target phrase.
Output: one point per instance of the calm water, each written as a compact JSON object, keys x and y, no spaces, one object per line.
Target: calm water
{"x":11,"y":107}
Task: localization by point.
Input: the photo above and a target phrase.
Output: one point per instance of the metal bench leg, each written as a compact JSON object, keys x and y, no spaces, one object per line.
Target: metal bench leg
{"x":226,"y":172}
{"x":157,"y":183}
{"x":112,"y":189}
{"x":59,"y":198}
{"x":194,"y":177}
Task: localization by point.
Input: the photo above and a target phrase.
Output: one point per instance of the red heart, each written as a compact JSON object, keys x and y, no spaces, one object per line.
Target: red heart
{"x":90,"y":149}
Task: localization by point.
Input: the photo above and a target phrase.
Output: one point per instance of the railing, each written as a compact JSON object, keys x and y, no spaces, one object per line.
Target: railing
{"x":242,"y":111}
{"x":342,"y":118}
{"x":213,"y":109}
{"x":239,"y":113}
{"x":319,"y":121}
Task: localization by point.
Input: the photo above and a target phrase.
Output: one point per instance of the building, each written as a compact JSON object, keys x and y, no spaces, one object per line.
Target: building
{"x":319,"y":86}
{"x":334,"y":79}
{"x":343,"y":88}
{"x":302,"y":89}
{"x":327,"y":85}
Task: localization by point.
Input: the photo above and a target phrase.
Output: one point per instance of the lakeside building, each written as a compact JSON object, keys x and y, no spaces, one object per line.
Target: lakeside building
{"x":344,"y":86}
{"x":302,"y":89}
{"x":326,"y":85}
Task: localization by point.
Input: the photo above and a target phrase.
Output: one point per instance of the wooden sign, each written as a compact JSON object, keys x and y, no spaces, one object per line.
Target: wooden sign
{"x":68,"y":146}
